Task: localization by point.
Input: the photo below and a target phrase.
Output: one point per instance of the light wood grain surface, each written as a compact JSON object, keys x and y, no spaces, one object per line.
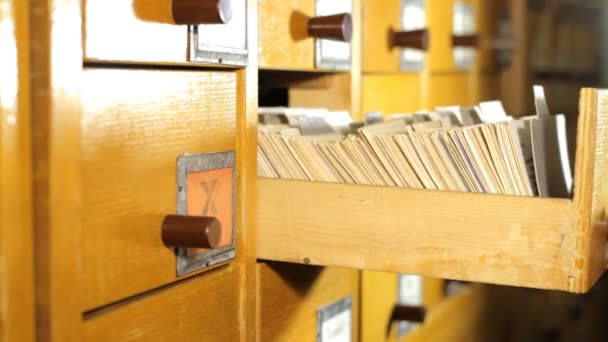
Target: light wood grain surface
{"x":204,"y":308}
{"x":497,"y":239}
{"x":289,"y":297}
{"x":132,"y":31}
{"x":284,"y":42}
{"x":56,"y":70}
{"x":591,"y":187}
{"x":17,"y":321}
{"x":134,"y":126}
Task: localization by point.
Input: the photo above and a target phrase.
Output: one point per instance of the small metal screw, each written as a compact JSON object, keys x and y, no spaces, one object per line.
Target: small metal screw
{"x":180,"y":188}
{"x":306,"y":261}
{"x":220,"y":60}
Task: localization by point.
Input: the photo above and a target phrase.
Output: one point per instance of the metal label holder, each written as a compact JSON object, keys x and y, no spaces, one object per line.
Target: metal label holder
{"x":413,"y":17}
{"x":322,"y":60}
{"x":328,"y":312}
{"x":189,"y":163}
{"x":403,"y":328}
{"x":216,"y":54}
{"x":464,"y":24}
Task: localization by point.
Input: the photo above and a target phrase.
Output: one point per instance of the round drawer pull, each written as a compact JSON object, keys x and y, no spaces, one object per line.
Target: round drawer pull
{"x":198,"y":12}
{"x":335,"y":27}
{"x":407,"y":313}
{"x":471,"y":40}
{"x":191,"y":231}
{"x":416,"y":39}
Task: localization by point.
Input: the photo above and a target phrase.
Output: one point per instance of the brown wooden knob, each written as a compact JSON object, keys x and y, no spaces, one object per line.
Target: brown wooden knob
{"x":191,"y":231}
{"x":198,"y":12}
{"x":335,"y":27}
{"x":416,"y":39}
{"x":507,"y":44}
{"x":407,"y":313}
{"x":471,"y":40}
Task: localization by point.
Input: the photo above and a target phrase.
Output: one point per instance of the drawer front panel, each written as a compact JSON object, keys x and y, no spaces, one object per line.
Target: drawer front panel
{"x":450,"y":88}
{"x":379,"y":18}
{"x":392,"y":93}
{"x":134,"y":126}
{"x":290,"y":295}
{"x":284,"y":42}
{"x":133,"y":31}
{"x":202,"y":309}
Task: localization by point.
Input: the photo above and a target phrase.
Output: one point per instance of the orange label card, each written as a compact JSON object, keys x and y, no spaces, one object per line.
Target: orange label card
{"x":210,"y":194}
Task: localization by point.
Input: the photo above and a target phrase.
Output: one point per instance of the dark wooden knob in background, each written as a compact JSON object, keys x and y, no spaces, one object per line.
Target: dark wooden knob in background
{"x":335,"y":27}
{"x":507,"y":43}
{"x":416,"y":39}
{"x":191,"y":231}
{"x":470,"y":40}
{"x":198,"y":12}
{"x":407,"y":313}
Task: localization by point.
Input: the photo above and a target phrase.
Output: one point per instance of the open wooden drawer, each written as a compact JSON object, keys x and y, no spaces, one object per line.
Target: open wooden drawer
{"x":532,"y":242}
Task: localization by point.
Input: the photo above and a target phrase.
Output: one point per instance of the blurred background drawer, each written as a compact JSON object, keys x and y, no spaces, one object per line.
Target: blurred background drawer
{"x":290,"y":297}
{"x":135,"y":124}
{"x":287,"y":43}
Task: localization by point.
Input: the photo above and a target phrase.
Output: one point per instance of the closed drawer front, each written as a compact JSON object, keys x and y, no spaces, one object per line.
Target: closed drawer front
{"x":392,"y":93}
{"x":133,"y":31}
{"x":134,"y":126}
{"x":286,"y":43}
{"x":290,"y":297}
{"x":202,"y":309}
{"x":166,"y":31}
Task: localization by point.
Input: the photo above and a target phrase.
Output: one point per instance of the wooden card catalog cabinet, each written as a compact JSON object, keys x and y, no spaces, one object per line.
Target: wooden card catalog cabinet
{"x":305,"y":34}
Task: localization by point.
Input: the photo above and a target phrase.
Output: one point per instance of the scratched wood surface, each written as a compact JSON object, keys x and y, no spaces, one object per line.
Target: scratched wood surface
{"x":402,"y":230}
{"x":204,"y":308}
{"x":133,"y":31}
{"x":17,"y":319}
{"x":284,"y":42}
{"x":289,"y":297}
{"x":134,"y":126}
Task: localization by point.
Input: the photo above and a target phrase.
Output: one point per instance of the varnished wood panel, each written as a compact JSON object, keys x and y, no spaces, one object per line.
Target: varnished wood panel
{"x":201,"y":309}
{"x":16,"y":253}
{"x":379,"y":291}
{"x":246,"y":146}
{"x":333,"y":93}
{"x":591,"y":187}
{"x":284,"y":42}
{"x":392,"y":93}
{"x":134,"y":126}
{"x":379,"y":18}
{"x":531,"y":243}
{"x":133,"y":31}
{"x":56,"y":60}
{"x":289,"y":297}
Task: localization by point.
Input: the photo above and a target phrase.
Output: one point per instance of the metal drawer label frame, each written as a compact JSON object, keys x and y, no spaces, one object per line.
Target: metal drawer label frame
{"x":332,"y":314}
{"x":325,"y":49}
{"x":410,"y":291}
{"x":413,"y":17}
{"x":214,"y":52}
{"x":464,"y":24}
{"x":195,"y":163}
